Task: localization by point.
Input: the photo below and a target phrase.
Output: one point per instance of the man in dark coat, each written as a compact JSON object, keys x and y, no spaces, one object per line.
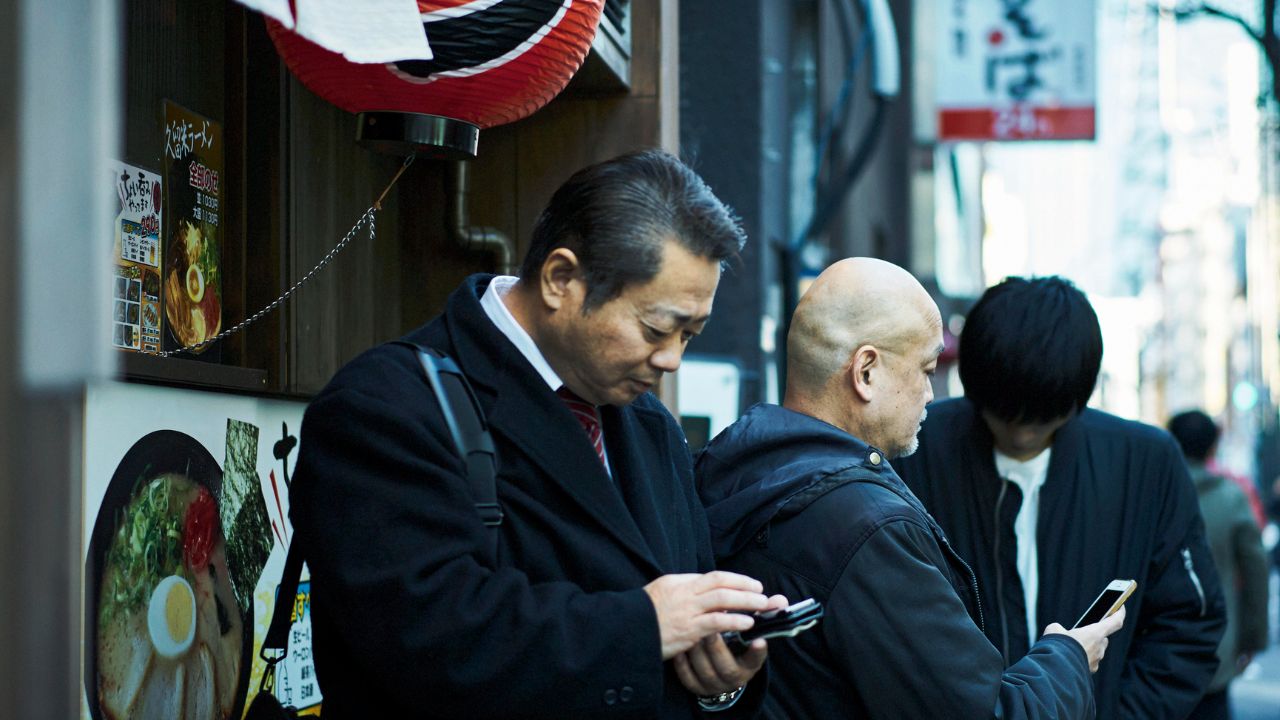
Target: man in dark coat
{"x":1050,"y":501}
{"x":803,"y":497}
{"x":600,"y":600}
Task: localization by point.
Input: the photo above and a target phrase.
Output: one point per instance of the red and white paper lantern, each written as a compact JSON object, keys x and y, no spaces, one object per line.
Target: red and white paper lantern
{"x":494,"y":61}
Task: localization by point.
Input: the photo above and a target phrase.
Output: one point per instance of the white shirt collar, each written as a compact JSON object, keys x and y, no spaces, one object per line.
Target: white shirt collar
{"x":1028,"y":475}
{"x":506,"y":323}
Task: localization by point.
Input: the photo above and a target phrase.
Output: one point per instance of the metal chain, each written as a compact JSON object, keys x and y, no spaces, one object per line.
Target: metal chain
{"x":367,"y":217}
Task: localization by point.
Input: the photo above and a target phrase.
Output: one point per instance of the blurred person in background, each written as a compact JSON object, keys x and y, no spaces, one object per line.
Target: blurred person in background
{"x":1273,"y":510}
{"x":1050,"y":501}
{"x":1237,"y":552}
{"x":1257,"y":509}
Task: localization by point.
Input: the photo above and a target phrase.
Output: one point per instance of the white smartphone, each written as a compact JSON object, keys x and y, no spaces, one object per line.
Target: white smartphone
{"x":1108,"y":602}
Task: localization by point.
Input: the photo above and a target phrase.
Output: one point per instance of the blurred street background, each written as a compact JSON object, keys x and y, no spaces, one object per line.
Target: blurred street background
{"x":1132,"y":146}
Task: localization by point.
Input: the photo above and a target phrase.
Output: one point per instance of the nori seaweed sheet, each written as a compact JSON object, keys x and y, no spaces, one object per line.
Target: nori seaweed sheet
{"x":243,"y":512}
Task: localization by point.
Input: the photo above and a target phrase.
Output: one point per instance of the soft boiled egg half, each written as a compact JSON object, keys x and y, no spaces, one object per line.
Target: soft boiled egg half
{"x":171,"y":617}
{"x":195,"y":283}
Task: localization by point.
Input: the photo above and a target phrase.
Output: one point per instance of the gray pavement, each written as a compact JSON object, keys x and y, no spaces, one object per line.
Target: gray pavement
{"x":1255,"y":695}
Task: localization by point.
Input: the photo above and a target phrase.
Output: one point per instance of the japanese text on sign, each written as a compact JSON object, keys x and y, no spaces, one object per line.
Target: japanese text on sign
{"x":181,"y":138}
{"x":296,"y":683}
{"x":1016,"y":69}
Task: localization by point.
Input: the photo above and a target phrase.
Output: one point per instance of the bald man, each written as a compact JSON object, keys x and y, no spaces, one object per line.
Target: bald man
{"x":802,"y":497}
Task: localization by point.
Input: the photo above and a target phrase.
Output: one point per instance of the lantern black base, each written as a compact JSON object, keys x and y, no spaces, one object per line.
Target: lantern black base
{"x":426,"y":136}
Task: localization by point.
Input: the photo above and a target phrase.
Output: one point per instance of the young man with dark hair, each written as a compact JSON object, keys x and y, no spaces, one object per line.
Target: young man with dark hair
{"x":1050,"y":500}
{"x":804,"y":497}
{"x":601,"y":599}
{"x":1238,"y":553}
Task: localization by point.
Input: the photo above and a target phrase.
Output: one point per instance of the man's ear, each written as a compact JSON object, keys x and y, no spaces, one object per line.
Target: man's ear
{"x":556,"y":280}
{"x":862,"y":369}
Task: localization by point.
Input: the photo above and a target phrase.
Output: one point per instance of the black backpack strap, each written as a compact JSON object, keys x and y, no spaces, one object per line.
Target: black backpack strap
{"x":474,"y":445}
{"x":276,"y":643}
{"x":468,"y":428}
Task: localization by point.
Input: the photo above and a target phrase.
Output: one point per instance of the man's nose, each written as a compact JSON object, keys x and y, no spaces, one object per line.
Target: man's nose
{"x":667,"y":357}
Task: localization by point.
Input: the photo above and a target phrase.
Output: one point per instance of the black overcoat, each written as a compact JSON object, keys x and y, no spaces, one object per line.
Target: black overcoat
{"x":413,"y":614}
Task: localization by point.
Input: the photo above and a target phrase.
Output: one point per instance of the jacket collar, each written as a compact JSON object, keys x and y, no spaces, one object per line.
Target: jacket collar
{"x":520,"y":406}
{"x":1203,"y":478}
{"x":1067,"y":444}
{"x":774,"y":458}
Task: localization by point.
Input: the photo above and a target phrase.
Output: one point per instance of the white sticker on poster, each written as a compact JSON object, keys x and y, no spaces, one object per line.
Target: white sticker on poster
{"x":296,"y":683}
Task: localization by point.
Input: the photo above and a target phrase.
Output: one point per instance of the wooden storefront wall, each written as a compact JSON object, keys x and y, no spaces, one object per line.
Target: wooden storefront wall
{"x":297,"y":181}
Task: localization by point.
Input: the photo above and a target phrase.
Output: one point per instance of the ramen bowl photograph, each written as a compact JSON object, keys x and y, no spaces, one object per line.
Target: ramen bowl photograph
{"x":166,"y":637}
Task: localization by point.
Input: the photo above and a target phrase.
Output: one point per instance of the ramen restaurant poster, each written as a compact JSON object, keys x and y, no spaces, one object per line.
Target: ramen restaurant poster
{"x":185,"y":532}
{"x":192,"y":278}
{"x":136,"y":257}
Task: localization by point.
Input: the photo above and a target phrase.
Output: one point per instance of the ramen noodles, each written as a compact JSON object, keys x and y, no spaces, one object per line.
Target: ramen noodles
{"x":192,"y":304}
{"x":170,"y":635}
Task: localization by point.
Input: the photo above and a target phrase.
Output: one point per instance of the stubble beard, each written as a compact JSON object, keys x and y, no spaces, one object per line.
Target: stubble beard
{"x":915,"y":436}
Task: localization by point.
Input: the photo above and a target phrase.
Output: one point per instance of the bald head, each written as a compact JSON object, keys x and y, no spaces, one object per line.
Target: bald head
{"x":855,"y":305}
{"x":854,"y":302}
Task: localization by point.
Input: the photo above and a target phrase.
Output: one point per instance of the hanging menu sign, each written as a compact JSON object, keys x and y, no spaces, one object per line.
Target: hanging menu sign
{"x":193,"y":154}
{"x":1015,"y":70}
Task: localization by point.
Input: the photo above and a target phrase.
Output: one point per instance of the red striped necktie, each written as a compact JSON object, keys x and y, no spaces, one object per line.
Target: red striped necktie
{"x":588,"y":417}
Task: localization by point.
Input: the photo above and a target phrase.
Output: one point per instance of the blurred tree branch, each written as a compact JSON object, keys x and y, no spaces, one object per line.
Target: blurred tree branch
{"x":1265,"y":37}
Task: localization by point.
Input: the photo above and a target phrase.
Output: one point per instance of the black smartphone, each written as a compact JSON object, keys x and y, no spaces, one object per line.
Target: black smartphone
{"x":786,"y":622}
{"x":1107,"y":602}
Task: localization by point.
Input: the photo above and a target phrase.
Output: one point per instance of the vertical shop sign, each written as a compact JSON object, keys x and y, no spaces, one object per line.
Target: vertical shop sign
{"x":192,"y":286}
{"x":136,"y":256}
{"x":1016,"y":70}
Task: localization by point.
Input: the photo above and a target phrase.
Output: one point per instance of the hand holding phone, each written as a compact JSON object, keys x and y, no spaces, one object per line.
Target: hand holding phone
{"x":786,"y":622}
{"x":1107,"y":602}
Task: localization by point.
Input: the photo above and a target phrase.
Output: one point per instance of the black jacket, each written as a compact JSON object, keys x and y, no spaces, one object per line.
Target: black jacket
{"x":1117,"y":503}
{"x":813,"y":512}
{"x":414,"y":617}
